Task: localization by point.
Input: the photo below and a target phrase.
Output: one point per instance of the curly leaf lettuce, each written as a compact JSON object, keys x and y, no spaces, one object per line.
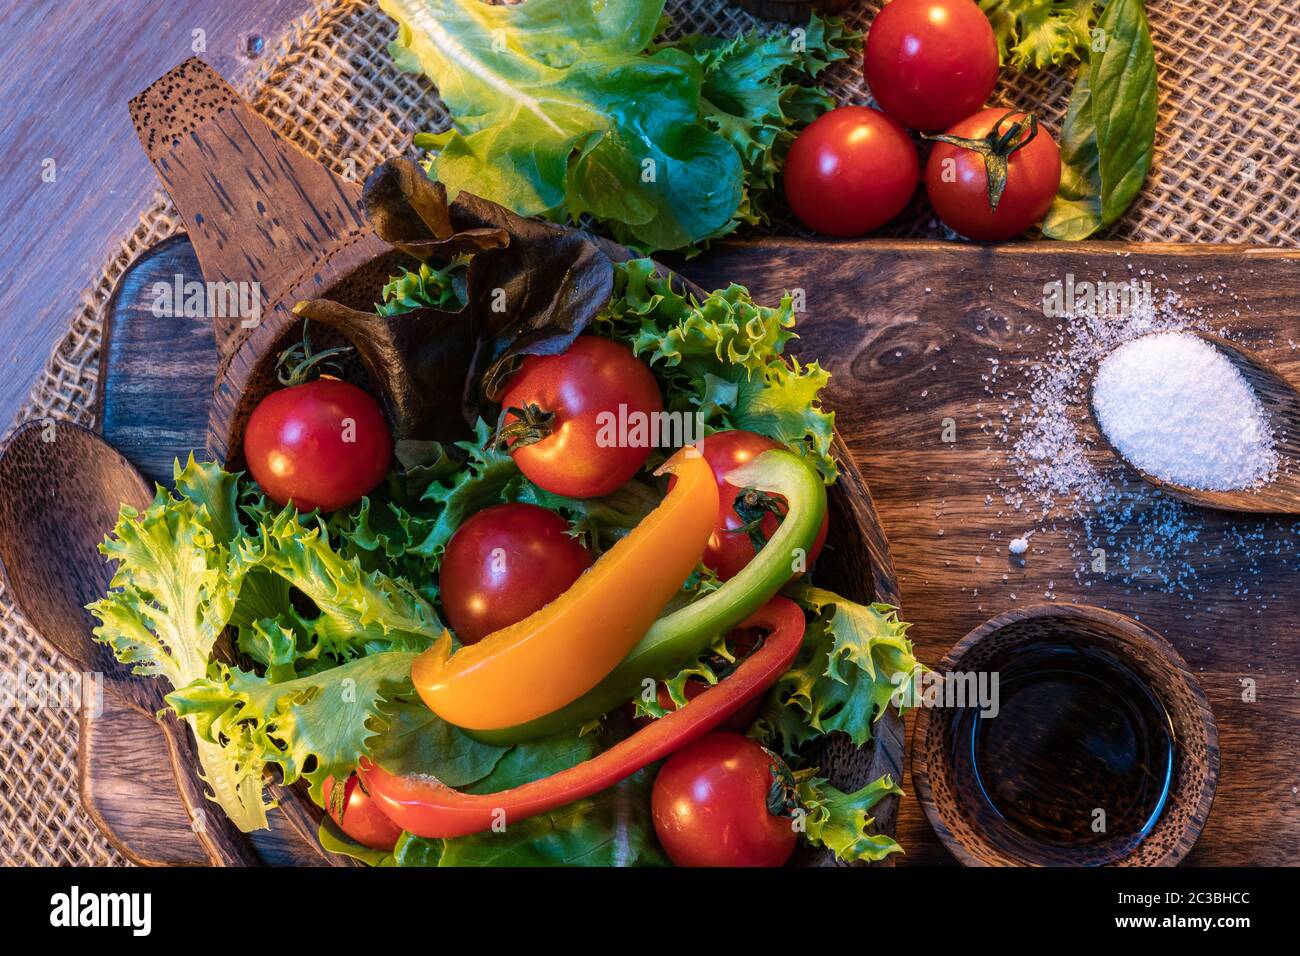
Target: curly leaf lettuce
{"x":724,"y":358}
{"x":360,"y":611}
{"x":315,"y":726}
{"x":840,"y":821}
{"x":173,"y":590}
{"x":1040,"y":33}
{"x":853,"y":658}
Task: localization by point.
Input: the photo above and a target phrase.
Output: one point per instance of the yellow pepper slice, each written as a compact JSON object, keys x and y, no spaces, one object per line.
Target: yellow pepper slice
{"x":558,"y":653}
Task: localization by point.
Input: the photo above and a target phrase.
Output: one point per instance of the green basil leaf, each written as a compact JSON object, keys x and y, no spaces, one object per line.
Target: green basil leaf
{"x":1109,"y":134}
{"x":1076,"y":211}
{"x":1123,"y":81}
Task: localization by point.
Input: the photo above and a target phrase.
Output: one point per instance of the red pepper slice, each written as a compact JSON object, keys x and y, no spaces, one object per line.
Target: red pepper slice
{"x":427,"y":808}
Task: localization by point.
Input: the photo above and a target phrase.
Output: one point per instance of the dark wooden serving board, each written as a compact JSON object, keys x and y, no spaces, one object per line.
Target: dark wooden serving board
{"x":905,"y":329}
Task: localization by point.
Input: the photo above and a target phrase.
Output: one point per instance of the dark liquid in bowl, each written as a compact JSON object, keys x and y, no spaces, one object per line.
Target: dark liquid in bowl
{"x":1078,"y":735}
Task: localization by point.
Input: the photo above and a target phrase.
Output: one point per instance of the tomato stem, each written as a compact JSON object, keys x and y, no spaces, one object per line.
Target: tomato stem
{"x":530,"y":426}
{"x":783,"y":792}
{"x":996,"y":148}
{"x":298,"y":360}
{"x":753,"y":506}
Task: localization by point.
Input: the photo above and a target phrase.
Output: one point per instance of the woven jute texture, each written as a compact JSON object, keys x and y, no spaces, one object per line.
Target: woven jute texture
{"x":1227,"y":169}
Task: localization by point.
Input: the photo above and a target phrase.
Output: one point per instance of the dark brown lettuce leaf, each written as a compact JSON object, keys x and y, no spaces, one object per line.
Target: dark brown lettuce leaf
{"x":533,"y":286}
{"x":418,"y":360}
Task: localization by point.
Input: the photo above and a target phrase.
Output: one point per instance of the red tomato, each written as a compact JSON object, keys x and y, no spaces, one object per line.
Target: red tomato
{"x":957,"y":180}
{"x":931,"y":62}
{"x":852,"y":170}
{"x":322,"y":444}
{"x":359,"y":816}
{"x":590,"y":389}
{"x":503,"y":564}
{"x":729,"y":549}
{"x":710,"y":805}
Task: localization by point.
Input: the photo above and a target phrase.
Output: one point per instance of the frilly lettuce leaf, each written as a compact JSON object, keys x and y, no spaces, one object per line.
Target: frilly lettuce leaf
{"x":315,"y":726}
{"x":360,"y":611}
{"x":853,"y":658}
{"x":427,"y":288}
{"x":723,"y":357}
{"x":1041,"y":33}
{"x":173,"y":590}
{"x":840,"y":821}
{"x":752,"y":95}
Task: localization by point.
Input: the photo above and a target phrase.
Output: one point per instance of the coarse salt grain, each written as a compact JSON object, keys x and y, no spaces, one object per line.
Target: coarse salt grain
{"x":1178,"y":409}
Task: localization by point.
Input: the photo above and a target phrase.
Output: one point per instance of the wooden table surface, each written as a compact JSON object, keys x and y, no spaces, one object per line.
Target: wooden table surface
{"x":922,"y":334}
{"x":63,"y":98}
{"x":69,"y":71}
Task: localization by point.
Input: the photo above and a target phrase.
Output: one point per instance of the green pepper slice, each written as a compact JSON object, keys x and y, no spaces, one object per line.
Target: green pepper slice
{"x":680,"y":637}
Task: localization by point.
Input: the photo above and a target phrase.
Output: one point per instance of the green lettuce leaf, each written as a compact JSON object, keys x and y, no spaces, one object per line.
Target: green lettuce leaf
{"x":611,"y":828}
{"x":841,"y":822}
{"x":565,"y":109}
{"x":1040,"y":33}
{"x":418,"y":741}
{"x":315,"y":726}
{"x":427,"y":288}
{"x":753,"y":97}
{"x":852,"y":660}
{"x":723,"y":358}
{"x":360,"y":611}
{"x":558,"y":113}
{"x":174,"y":589}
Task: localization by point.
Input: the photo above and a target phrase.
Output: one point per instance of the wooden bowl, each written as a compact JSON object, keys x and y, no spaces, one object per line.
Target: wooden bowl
{"x":256,"y":206}
{"x":976,"y":834}
{"x":857,"y":563}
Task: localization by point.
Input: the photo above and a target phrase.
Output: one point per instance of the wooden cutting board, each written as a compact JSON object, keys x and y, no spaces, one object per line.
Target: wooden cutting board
{"x":907,"y":332}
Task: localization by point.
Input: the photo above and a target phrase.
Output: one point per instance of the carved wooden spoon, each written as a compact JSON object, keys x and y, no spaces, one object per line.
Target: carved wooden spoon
{"x":60,"y":490}
{"x":1281,"y":403}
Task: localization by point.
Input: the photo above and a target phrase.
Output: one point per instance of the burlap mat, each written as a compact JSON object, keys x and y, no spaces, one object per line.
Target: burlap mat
{"x":1227,"y":169}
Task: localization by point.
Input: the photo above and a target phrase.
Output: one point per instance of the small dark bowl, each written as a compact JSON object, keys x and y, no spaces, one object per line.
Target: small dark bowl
{"x":975,"y":833}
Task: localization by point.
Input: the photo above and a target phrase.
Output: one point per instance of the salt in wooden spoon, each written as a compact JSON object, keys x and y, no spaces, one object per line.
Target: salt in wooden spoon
{"x":1281,"y":403}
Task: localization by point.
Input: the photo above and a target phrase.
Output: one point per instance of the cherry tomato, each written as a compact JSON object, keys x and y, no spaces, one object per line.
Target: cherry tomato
{"x":503,"y":564}
{"x":322,"y":444}
{"x":957,"y":180}
{"x":852,"y":170}
{"x":359,"y":816}
{"x":931,"y":62}
{"x":730,"y":548}
{"x":593,"y":390}
{"x":710,"y":805}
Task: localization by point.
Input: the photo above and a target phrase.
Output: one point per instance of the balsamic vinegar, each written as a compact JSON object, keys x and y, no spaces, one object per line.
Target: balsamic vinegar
{"x":1081,"y":752}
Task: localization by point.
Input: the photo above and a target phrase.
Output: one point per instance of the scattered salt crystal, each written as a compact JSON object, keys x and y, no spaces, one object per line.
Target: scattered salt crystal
{"x":1018,"y":545}
{"x":1178,"y":409}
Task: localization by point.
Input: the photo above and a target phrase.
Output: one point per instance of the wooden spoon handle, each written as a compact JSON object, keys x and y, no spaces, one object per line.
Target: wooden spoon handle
{"x":257,"y":209}
{"x":221,"y":839}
